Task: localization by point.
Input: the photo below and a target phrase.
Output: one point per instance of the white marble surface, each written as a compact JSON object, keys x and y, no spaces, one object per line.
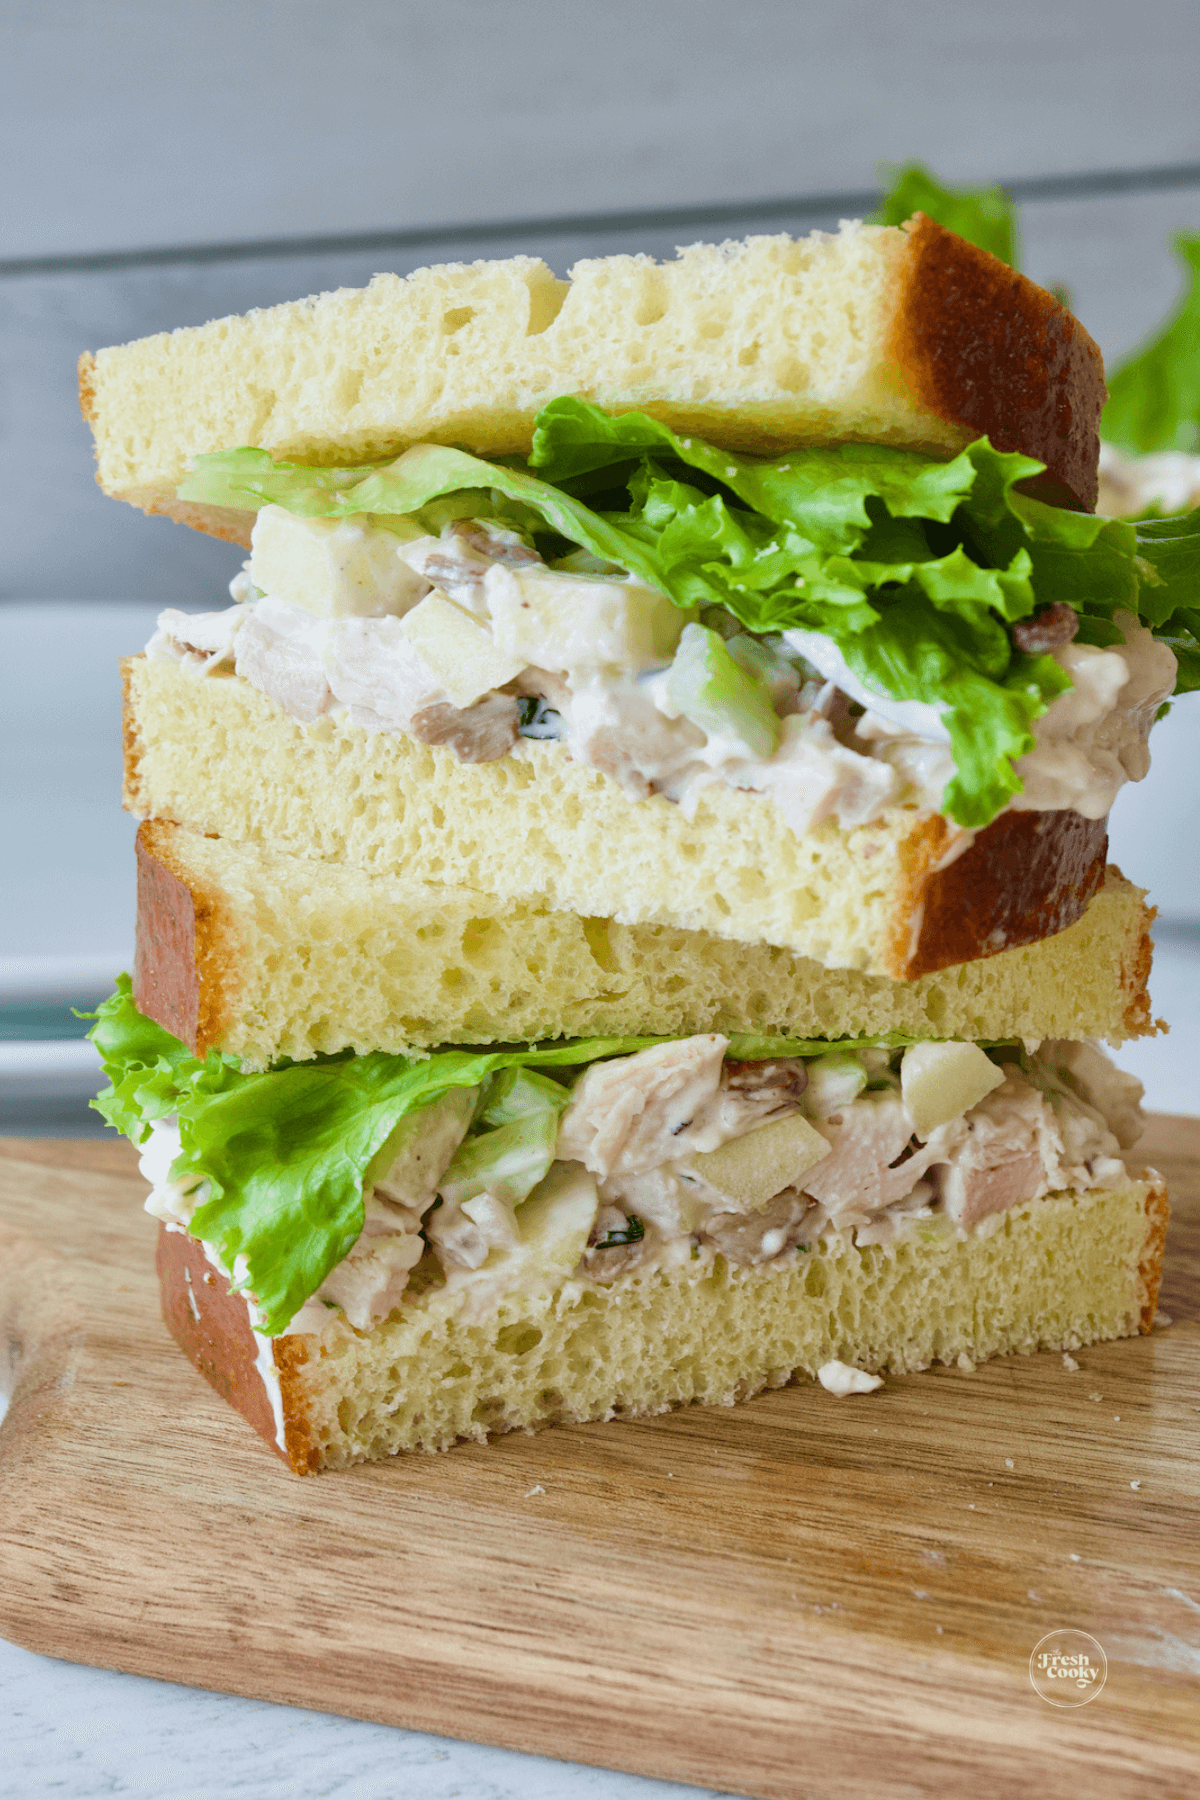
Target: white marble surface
{"x":85,"y":1733}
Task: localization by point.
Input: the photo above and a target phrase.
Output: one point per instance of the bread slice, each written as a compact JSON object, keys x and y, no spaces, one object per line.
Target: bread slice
{"x":266,"y":956}
{"x":902,"y":897}
{"x":874,"y":335}
{"x":1057,"y":1273}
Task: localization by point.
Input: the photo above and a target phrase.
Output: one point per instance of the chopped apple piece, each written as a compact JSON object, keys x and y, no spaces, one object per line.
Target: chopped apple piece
{"x":581,"y":623}
{"x":335,"y":568}
{"x":751,"y":1170}
{"x":940,"y":1082}
{"x":459,"y":650}
{"x":556,"y":1221}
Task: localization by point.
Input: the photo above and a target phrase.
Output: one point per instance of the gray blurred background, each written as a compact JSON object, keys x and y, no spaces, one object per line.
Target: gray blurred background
{"x":169,"y":164}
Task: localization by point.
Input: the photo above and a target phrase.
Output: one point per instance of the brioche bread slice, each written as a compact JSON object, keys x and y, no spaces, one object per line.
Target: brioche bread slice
{"x":1056,"y":1273}
{"x":265,"y":956}
{"x":910,"y":337}
{"x":901,"y":897}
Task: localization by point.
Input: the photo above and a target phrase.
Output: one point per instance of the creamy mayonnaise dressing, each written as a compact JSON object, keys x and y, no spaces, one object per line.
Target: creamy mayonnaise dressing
{"x":592,"y":654}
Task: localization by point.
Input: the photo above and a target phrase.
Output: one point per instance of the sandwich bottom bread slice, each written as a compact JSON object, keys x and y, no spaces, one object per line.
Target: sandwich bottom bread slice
{"x":375,"y":1253}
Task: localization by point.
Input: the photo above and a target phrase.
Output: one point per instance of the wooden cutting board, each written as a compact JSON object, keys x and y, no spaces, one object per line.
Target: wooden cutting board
{"x":801,"y":1596}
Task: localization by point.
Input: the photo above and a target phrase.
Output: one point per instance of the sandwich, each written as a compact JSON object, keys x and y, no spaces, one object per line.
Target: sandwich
{"x":368,"y":1253}
{"x":751,"y":594}
{"x":623,"y":915}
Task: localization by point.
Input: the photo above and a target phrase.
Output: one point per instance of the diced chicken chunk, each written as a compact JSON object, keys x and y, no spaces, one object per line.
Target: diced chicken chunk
{"x":379,"y":674}
{"x":870,"y":1166}
{"x":1001,"y":1154}
{"x":1096,"y":1081}
{"x":369,"y":1282}
{"x":275,"y":650}
{"x":202,"y":642}
{"x":635,"y":1112}
{"x":617,"y":728}
{"x":983,"y":1181}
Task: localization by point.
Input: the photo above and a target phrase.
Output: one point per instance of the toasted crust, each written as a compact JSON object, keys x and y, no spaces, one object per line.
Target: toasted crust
{"x":131,"y":741}
{"x":1025,"y":877}
{"x":187,"y":948}
{"x":981,"y":344}
{"x":1150,"y":1269}
{"x":212,"y":1326}
{"x":874,"y":335}
{"x":87,"y":386}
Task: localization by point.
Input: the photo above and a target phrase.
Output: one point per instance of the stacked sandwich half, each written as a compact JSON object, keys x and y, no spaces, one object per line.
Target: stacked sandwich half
{"x":622,"y":910}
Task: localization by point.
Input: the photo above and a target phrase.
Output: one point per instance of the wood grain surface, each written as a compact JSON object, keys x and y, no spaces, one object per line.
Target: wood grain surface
{"x":801,"y":1596}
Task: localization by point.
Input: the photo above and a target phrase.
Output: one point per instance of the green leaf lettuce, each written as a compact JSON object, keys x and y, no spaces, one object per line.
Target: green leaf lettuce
{"x":915,"y":569}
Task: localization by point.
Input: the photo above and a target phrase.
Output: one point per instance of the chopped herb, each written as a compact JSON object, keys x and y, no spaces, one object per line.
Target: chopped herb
{"x":633,"y":1233}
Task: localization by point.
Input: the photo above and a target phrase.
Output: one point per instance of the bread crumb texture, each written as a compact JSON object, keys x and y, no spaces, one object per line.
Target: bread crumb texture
{"x":306,"y":958}
{"x":219,"y":756}
{"x":1057,"y":1273}
{"x":760,"y":345}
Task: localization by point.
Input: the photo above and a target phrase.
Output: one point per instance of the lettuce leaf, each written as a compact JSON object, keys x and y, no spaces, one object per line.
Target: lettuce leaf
{"x":1154,"y":396}
{"x":287,"y":1152}
{"x":985,"y":216}
{"x":916,"y":569}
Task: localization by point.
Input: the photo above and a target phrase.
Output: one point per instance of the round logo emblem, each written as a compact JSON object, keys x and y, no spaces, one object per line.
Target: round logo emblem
{"x":1068,"y":1668}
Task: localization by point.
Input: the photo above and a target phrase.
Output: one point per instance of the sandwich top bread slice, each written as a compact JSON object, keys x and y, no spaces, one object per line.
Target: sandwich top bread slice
{"x":870,"y":703}
{"x":875,"y":335}
{"x":374,"y":1253}
{"x":265,"y":956}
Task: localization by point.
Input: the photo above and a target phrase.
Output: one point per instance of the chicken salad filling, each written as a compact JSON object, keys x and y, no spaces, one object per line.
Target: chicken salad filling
{"x":680,"y":1153}
{"x":846,"y":629}
{"x":480,"y":646}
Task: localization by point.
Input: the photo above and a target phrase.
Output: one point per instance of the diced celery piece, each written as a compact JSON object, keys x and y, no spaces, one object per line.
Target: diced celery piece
{"x":519,"y":1094}
{"x":708,"y":686}
{"x":508,"y":1162}
{"x":833,"y":1082}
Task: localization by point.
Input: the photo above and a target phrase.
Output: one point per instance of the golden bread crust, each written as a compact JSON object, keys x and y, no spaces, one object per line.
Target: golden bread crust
{"x":1026,"y":876}
{"x":187,"y":950}
{"x":1150,"y":1269}
{"x":87,"y":386}
{"x":212,"y":1326}
{"x":131,"y":739}
{"x":983,"y":345}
